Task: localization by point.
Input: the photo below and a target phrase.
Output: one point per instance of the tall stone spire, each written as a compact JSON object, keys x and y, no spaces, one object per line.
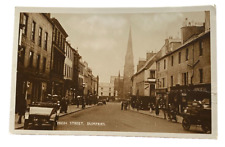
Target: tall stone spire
{"x":128,"y":68}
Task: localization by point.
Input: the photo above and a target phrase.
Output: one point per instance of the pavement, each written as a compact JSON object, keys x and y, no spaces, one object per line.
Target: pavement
{"x":152,"y":113}
{"x":71,"y":109}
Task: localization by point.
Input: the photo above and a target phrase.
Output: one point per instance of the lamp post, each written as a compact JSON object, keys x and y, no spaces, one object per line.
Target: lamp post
{"x":83,"y":100}
{"x":73,"y":98}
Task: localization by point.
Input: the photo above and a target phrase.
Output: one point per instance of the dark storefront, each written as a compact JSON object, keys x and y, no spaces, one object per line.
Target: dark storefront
{"x":182,"y":96}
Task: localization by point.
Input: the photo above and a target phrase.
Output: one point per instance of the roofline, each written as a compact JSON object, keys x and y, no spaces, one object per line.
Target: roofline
{"x":56,"y":22}
{"x":185,"y":44}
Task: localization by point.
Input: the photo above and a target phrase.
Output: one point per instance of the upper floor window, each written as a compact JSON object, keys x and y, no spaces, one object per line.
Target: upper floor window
{"x":179,"y":57}
{"x":38,"y":62}
{"x":201,"y":48}
{"x":25,"y":20}
{"x":152,"y":74}
{"x":186,"y":54}
{"x":31,"y":54}
{"x":44,"y":64}
{"x":46,"y":41}
{"x":40,"y":36}
{"x":171,"y":60}
{"x":33,"y":30}
{"x":158,"y":66}
{"x":164,"y":63}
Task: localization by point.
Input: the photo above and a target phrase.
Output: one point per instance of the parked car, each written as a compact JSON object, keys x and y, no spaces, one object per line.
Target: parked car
{"x":42,"y":114}
{"x":100,"y":103}
{"x":199,"y":113}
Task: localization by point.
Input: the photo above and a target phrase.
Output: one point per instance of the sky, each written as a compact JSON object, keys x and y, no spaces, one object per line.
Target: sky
{"x":101,"y":38}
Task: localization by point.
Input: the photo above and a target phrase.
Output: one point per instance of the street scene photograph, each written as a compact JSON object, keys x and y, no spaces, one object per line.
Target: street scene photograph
{"x":115,"y":71}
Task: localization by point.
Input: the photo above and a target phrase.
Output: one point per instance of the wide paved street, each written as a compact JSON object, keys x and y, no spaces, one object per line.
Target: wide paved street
{"x":110,"y":118}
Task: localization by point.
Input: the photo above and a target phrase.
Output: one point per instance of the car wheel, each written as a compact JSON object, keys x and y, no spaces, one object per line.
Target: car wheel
{"x":186,"y":124}
{"x":53,"y":125}
{"x":25,"y":125}
{"x":206,"y":128}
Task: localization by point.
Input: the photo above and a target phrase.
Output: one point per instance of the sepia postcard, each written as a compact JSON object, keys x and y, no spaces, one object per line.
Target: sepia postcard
{"x":145,"y":72}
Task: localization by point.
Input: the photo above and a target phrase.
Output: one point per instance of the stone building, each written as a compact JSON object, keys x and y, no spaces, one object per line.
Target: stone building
{"x":186,"y":72}
{"x":143,"y":81}
{"x":57,"y":58}
{"x":34,"y":52}
{"x":68,"y":71}
{"x":105,"y":90}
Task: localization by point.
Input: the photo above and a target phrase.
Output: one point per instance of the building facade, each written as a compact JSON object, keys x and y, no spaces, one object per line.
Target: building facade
{"x":34,"y":50}
{"x":106,"y":90}
{"x":184,"y":74}
{"x":68,"y":71}
{"x":57,"y":59}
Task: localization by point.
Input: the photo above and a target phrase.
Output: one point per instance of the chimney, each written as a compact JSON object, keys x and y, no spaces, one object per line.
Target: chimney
{"x":189,"y":31}
{"x":207,"y":20}
{"x":149,"y":55}
{"x":141,"y":63}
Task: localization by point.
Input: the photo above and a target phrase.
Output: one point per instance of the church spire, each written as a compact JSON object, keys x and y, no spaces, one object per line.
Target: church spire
{"x":128,"y":67}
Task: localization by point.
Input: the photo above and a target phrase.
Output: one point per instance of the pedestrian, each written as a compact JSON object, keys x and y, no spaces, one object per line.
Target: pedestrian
{"x":121,"y":105}
{"x":22,"y":108}
{"x":137,"y":104}
{"x":164,"y":108}
{"x":78,"y":101}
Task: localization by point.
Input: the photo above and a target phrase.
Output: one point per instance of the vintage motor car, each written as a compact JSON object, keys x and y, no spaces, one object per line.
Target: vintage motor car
{"x":43,"y":115}
{"x":199,"y":113}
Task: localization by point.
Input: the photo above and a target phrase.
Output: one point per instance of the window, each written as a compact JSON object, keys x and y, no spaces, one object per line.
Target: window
{"x":159,"y":66}
{"x":152,"y":74}
{"x":164,"y":63}
{"x":31,"y":58}
{"x":171,"y":81}
{"x":38,"y":62}
{"x":33,"y":30}
{"x":109,"y":94}
{"x":40,"y":36}
{"x":101,"y":93}
{"x":46,"y":41}
{"x":21,"y":55}
{"x":186,"y":54}
{"x":25,"y":19}
{"x":200,"y":48}
{"x":201,"y":75}
{"x":185,"y":78}
{"x":44,"y":65}
{"x":55,"y":36}
{"x":171,"y":60}
{"x":163,"y":79}
{"x":109,"y":88}
{"x":179,"y":57}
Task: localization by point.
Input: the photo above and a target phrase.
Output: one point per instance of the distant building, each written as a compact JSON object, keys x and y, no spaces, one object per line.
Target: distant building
{"x":106,"y":90}
{"x":68,"y":70}
{"x":34,"y":52}
{"x":118,"y":86}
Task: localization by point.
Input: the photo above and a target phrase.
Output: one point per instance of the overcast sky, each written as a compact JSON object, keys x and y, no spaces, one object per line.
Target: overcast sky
{"x":102,"y":39}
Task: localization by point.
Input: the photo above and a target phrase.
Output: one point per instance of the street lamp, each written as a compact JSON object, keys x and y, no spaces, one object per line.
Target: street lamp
{"x":83,"y":102}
